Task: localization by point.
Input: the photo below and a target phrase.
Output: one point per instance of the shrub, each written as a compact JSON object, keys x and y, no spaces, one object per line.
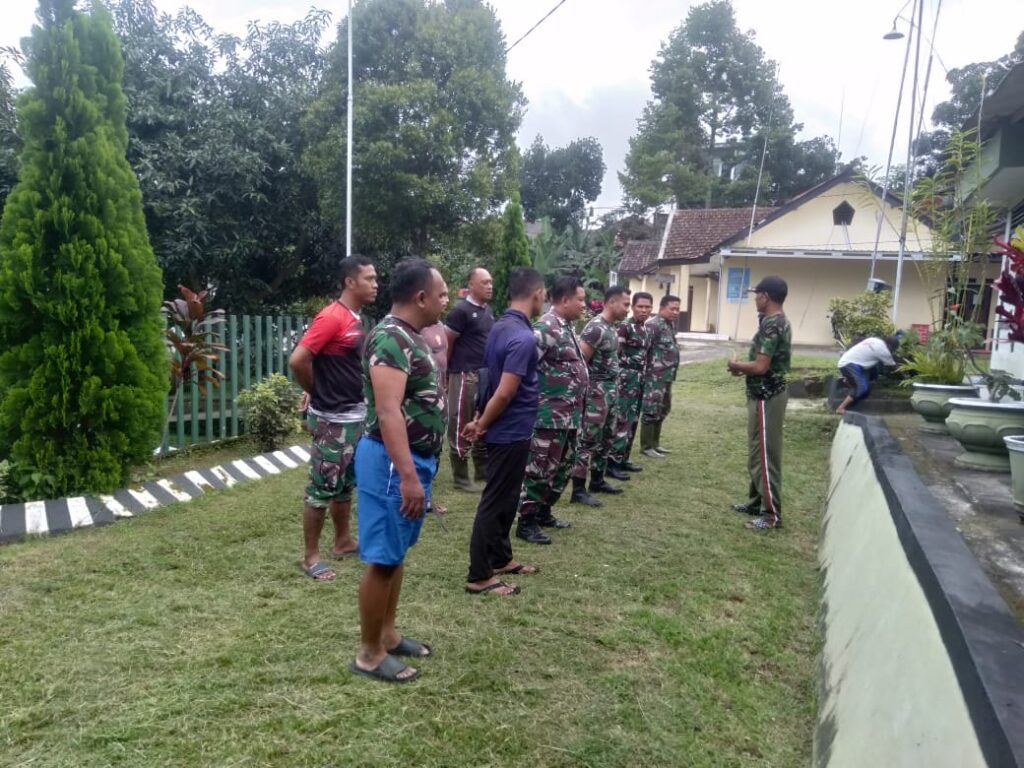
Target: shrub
{"x":270,"y":409}
{"x":864,"y":315}
{"x":82,"y":364}
{"x":6,"y":482}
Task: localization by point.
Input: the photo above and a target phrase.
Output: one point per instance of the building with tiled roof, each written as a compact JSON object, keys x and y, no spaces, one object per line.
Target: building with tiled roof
{"x":696,"y":232}
{"x":822,"y":242}
{"x":638,"y":256}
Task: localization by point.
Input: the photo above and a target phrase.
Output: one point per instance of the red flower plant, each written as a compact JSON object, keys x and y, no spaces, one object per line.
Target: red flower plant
{"x":1011,"y":288}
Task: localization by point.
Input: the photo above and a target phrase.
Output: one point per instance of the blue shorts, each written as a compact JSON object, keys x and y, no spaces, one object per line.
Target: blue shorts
{"x":384,"y":535}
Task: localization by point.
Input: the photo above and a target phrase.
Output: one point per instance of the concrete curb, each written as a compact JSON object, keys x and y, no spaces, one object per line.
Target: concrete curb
{"x":984,"y":641}
{"x":40,"y":518}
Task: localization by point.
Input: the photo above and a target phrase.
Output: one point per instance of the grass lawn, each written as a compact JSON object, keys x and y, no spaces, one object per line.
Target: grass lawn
{"x":206,"y":455}
{"x":660,"y":632}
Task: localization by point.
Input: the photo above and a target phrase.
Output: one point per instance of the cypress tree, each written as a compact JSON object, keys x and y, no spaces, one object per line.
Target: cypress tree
{"x":515,"y":252}
{"x":83,"y":370}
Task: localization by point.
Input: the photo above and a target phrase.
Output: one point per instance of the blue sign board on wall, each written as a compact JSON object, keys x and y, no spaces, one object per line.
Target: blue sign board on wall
{"x":736,"y":285}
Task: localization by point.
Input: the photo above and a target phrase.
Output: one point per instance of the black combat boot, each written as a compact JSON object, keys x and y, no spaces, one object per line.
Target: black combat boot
{"x":580,"y":495}
{"x":616,"y":471}
{"x":599,"y":485}
{"x":546,"y":519}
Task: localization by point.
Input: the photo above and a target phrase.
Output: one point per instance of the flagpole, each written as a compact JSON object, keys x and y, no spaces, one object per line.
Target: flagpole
{"x":348,"y":149}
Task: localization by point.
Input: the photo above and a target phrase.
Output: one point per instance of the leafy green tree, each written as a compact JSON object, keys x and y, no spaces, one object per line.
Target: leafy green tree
{"x":435,"y":123}
{"x":8,"y":126}
{"x":700,"y":138}
{"x":82,"y":362}
{"x":216,"y":140}
{"x":558,"y":183}
{"x":965,"y":84}
{"x":514,"y":252}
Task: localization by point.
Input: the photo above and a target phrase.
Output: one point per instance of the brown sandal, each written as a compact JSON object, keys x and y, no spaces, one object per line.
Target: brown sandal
{"x":494,"y":586}
{"x":518,"y":568}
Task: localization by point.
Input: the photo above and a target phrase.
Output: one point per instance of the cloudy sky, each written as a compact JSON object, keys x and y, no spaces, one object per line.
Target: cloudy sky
{"x":585,"y":69}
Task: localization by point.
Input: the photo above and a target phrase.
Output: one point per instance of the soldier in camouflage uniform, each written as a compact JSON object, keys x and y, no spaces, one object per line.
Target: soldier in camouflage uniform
{"x":562,"y":372}
{"x":634,"y":345}
{"x":766,"y":369}
{"x":600,"y":343}
{"x":663,"y":361}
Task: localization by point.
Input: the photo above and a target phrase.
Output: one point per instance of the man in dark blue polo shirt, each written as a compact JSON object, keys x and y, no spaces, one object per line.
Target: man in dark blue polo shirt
{"x":506,"y":426}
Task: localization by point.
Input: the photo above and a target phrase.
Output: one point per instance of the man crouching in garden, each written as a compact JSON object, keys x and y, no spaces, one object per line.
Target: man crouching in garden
{"x":396,"y":461}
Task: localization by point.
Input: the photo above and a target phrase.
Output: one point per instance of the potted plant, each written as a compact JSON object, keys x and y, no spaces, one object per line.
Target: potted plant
{"x":958,"y":229}
{"x":936,"y":371}
{"x":1011,"y":311}
{"x":989,"y":429}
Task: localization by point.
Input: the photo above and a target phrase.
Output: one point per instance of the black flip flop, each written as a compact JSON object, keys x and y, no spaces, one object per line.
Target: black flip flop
{"x":412,"y":649}
{"x":387,"y":671}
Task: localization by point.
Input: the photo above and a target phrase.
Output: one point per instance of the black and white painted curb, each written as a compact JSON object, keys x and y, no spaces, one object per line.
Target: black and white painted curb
{"x":35,"y":518}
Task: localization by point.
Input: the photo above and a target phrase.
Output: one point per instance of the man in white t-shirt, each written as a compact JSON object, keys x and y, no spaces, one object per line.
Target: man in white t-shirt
{"x":859,"y":365}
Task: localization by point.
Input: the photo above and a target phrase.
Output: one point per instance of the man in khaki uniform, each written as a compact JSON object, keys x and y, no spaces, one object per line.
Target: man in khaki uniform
{"x":765,"y":370}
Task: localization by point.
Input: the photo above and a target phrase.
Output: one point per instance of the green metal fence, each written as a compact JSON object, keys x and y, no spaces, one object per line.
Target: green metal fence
{"x":257,"y":346}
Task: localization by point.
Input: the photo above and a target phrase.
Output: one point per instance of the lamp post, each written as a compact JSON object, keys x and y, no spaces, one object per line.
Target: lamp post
{"x":348,"y":142}
{"x":896,"y":34}
{"x":909,"y":175}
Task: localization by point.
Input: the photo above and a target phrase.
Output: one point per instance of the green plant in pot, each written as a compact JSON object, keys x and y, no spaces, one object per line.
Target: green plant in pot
{"x":936,"y":372}
{"x":1011,"y":311}
{"x":988,"y":428}
{"x":957,"y":260}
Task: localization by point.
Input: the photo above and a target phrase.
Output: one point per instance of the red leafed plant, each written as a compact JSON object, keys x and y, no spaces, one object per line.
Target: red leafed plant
{"x":1011,"y":285}
{"x":191,"y":339}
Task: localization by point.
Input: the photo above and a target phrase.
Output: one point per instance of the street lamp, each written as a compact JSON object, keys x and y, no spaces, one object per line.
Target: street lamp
{"x":893,"y":34}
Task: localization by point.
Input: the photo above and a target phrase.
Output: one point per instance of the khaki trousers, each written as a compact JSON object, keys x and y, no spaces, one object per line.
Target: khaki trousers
{"x":765,"y":420}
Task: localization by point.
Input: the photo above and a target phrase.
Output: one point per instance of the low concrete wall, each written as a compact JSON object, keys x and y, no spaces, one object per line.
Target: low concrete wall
{"x":922,"y":663}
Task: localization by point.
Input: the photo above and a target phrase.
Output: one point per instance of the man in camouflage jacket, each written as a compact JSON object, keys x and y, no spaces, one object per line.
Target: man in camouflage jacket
{"x":634,"y":346}
{"x":600,"y":343}
{"x":661,"y":372}
{"x":562,"y":372}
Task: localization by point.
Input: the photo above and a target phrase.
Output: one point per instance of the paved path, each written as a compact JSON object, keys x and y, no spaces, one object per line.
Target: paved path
{"x":978,"y":502}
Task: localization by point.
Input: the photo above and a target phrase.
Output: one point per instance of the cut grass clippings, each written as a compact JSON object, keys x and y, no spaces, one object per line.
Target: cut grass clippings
{"x":659,"y":633}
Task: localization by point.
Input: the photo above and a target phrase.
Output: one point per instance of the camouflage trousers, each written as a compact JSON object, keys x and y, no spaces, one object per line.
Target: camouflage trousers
{"x":552,"y":454}
{"x":598,"y":429}
{"x":658,"y":396}
{"x":332,"y":474}
{"x":461,"y":410}
{"x":630,"y":400}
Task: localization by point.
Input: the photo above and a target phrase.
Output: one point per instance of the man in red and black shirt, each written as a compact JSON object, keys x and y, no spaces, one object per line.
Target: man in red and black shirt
{"x":328,"y":365}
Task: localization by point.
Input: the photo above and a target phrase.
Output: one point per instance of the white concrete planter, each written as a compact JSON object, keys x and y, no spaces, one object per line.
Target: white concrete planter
{"x":931,"y":401}
{"x":1015,"y":446}
{"x":980,"y":426}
